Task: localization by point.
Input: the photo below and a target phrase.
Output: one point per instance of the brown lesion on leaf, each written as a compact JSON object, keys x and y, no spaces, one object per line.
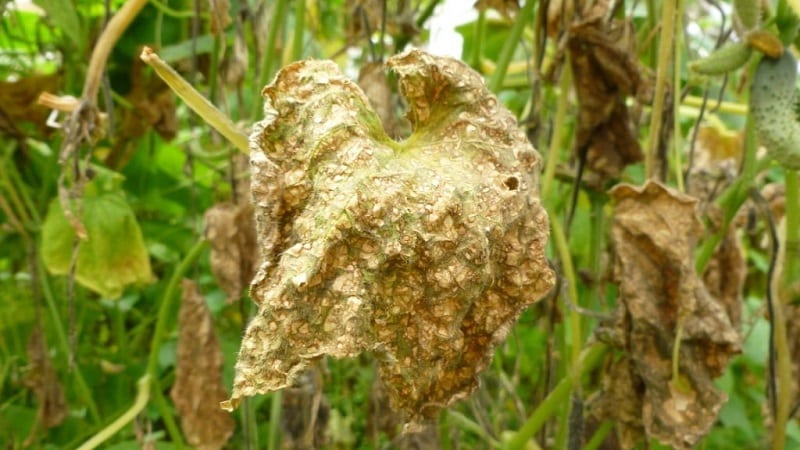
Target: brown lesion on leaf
{"x":417,"y":251}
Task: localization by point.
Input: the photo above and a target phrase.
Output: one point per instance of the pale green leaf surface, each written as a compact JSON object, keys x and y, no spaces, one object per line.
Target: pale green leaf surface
{"x":114,"y":255}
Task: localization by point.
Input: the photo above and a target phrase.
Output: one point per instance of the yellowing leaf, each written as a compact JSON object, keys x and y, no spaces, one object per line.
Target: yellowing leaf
{"x":114,"y":254}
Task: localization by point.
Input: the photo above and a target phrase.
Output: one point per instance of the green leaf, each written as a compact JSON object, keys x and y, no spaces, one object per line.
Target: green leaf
{"x":64,"y":15}
{"x":113,"y":256}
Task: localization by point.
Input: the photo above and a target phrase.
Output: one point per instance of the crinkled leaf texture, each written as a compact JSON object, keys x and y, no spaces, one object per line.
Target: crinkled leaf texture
{"x":654,"y":232}
{"x":422,"y":252}
{"x":113,"y":256}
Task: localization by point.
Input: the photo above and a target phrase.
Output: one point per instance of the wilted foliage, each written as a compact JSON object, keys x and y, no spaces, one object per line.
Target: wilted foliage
{"x":198,"y":375}
{"x":41,"y":378}
{"x":421,"y":252}
{"x":663,"y":303}
{"x":231,"y":231}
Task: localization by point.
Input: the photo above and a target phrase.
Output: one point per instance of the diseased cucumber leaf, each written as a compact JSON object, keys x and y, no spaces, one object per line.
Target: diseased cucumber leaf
{"x":113,"y":256}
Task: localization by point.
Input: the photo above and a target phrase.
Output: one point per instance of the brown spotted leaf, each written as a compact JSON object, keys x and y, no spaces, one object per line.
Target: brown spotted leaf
{"x":198,"y":375}
{"x":421,"y":252}
{"x":231,"y":232}
{"x":654,"y":231}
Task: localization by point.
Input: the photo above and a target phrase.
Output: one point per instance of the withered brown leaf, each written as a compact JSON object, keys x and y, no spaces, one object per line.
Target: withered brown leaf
{"x":220,"y":19}
{"x":231,"y":232}
{"x":605,"y":72}
{"x":654,"y":232}
{"x":198,"y":375}
{"x":42,"y":379}
{"x":18,"y":103}
{"x":305,"y":413}
{"x":422,"y":252}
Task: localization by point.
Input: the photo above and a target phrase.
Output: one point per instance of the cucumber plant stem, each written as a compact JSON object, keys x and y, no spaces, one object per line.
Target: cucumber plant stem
{"x":668,"y":8}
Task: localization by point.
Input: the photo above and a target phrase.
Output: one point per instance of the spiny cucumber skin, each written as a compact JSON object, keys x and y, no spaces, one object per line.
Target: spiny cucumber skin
{"x":723,"y":60}
{"x":772,"y":101}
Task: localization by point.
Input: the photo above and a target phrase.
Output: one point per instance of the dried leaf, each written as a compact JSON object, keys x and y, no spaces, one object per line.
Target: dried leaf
{"x":41,"y":378}
{"x":153,"y":107}
{"x":305,"y":413}
{"x":366,"y":17}
{"x":231,"y":232}
{"x":654,"y":232}
{"x":621,"y":399}
{"x":219,"y":16}
{"x":605,"y":71}
{"x":725,"y":275}
{"x":198,"y":375}
{"x":18,"y":103}
{"x":422,"y":252}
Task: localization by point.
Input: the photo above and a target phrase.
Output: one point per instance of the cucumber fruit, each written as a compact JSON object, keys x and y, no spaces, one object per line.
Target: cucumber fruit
{"x":772,"y":105}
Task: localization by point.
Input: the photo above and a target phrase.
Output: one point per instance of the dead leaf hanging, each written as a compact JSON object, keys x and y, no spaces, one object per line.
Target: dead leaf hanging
{"x":42,"y":379}
{"x":654,"y":233}
{"x":231,"y":232}
{"x":198,"y":375}
{"x":422,"y":252}
{"x":605,"y":72}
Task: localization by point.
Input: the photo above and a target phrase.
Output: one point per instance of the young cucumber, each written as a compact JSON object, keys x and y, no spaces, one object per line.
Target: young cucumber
{"x":772,"y":102}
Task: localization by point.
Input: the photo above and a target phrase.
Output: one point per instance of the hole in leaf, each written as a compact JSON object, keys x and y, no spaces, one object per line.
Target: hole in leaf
{"x":512,"y":183}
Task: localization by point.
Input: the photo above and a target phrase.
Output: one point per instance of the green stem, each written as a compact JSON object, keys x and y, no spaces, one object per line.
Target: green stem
{"x":676,"y":100}
{"x":559,"y":128}
{"x":166,"y":414}
{"x":163,"y":321}
{"x":426,"y":13}
{"x":791,"y":245}
{"x":142,"y":395}
{"x":664,"y":57}
{"x":599,"y":435}
{"x":524,"y":16}
{"x":782,"y":293}
{"x":22,"y":188}
{"x":461,"y":421}
{"x":278,"y":19}
{"x":557,"y":398}
{"x":598,"y":202}
{"x":562,"y":247}
{"x":783,"y":365}
{"x":83,"y":391}
{"x":477,"y":48}
{"x":734,"y":196}
{"x":299,"y":29}
{"x":274,"y":420}
{"x":165,"y":308}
